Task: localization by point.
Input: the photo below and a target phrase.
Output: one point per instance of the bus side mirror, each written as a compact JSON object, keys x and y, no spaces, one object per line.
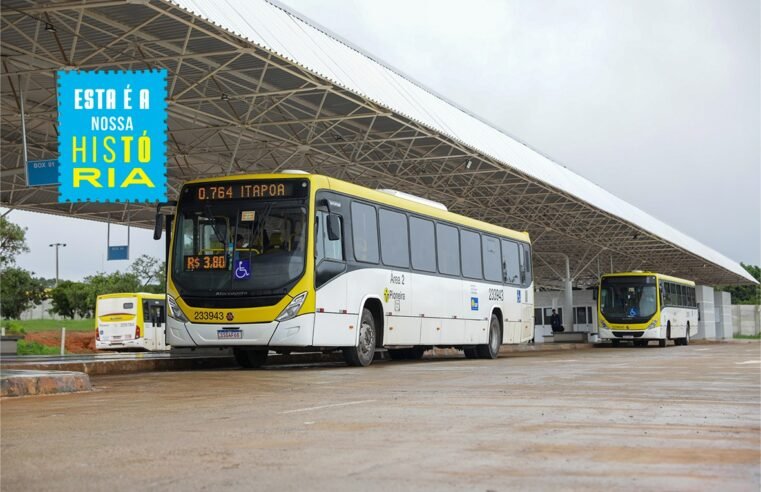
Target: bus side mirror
{"x":158,"y":225}
{"x":334,"y":227}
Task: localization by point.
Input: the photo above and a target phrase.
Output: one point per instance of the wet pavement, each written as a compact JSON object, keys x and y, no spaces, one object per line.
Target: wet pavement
{"x":679,"y":418}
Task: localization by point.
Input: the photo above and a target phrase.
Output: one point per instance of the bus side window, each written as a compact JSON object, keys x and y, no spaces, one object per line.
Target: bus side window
{"x":325,"y":248}
{"x":511,"y":261}
{"x":394,"y":238}
{"x":364,"y":224}
{"x":448,"y":249}
{"x":492,"y":259}
{"x":470,"y":254}
{"x":423,"y":241}
{"x":525,"y":264}
{"x":667,"y":290}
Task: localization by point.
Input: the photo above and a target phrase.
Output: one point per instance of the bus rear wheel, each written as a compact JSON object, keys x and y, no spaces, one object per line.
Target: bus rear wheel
{"x":686,"y":339}
{"x":362,"y":354}
{"x":491,"y":350}
{"x":250,"y":358}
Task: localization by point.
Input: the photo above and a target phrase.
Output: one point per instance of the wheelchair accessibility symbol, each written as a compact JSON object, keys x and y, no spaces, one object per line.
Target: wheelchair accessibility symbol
{"x":242,"y":269}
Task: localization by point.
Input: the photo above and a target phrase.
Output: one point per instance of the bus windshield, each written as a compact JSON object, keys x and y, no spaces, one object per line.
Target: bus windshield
{"x":236,"y":247}
{"x":628,"y":299}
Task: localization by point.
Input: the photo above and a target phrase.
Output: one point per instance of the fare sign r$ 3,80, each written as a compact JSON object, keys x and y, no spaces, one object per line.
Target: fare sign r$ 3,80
{"x":112,"y":135}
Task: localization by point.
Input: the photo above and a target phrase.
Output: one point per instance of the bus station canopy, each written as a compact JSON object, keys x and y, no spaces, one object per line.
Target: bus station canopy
{"x":253,"y":87}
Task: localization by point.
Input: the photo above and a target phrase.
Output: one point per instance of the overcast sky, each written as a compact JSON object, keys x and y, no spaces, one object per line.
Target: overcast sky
{"x":656,"y":101}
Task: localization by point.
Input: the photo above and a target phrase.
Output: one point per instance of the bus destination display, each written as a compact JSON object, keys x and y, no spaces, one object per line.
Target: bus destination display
{"x":205,"y":262}
{"x":236,"y":190}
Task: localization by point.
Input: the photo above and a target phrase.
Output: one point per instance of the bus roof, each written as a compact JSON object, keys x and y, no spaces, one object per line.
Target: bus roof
{"x":660,"y":276}
{"x":341,"y":186}
{"x":146,"y":295}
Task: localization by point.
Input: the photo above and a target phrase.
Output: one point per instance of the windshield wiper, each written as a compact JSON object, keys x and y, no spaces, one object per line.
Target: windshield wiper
{"x":208,"y":215}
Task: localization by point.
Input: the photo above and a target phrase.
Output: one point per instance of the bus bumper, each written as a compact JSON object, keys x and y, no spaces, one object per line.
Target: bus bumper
{"x":296,"y":332}
{"x":656,"y":333}
{"x":121,"y":344}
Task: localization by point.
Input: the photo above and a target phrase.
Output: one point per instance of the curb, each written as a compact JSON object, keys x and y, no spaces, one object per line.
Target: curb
{"x":128,"y":366}
{"x":27,"y":383}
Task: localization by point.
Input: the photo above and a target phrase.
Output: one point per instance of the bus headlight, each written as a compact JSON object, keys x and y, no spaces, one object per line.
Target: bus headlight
{"x":292,"y":308}
{"x":175,"y":311}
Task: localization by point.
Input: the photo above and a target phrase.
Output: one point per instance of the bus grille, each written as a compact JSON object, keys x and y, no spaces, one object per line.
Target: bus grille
{"x":635,"y":334}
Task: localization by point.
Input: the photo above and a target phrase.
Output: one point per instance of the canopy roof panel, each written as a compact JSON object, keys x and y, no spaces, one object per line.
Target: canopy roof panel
{"x":255,"y":88}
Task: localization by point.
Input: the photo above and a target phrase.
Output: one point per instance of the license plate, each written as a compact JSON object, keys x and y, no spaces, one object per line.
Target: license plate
{"x":229,"y":334}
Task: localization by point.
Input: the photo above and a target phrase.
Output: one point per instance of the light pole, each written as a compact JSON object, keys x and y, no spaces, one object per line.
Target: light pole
{"x":57,"y":245}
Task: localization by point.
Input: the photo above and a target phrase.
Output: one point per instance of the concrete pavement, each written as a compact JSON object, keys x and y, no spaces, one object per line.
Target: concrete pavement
{"x":679,"y":418}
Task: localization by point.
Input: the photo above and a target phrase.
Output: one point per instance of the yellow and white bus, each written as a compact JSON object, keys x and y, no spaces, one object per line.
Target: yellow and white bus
{"x":300,"y":262}
{"x":130,"y":321}
{"x":642,"y":306}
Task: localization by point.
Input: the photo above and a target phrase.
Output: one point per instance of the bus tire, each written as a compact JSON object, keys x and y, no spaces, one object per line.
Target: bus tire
{"x":686,"y":339}
{"x":471,"y":353}
{"x":362,"y":354}
{"x":615,"y":342}
{"x":490,"y":350}
{"x":250,"y":358}
{"x":662,"y":342}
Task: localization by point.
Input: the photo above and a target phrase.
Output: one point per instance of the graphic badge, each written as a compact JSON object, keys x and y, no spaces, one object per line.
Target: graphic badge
{"x":112,"y":135}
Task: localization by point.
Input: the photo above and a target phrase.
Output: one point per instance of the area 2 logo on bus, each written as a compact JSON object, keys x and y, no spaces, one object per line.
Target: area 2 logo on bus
{"x":112,"y":135}
{"x":474,"y":303}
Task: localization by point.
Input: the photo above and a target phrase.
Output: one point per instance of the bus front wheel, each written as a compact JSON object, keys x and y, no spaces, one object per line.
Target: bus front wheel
{"x":250,"y":358}
{"x":491,"y":350}
{"x":362,"y":354}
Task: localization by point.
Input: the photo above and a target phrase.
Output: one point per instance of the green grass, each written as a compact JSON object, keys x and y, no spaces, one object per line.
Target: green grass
{"x":749,"y":337}
{"x":36,"y":348}
{"x":33,"y":325}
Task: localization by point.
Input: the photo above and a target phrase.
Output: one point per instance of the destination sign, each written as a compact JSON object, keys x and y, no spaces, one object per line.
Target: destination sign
{"x":254,"y":190}
{"x":205,"y":262}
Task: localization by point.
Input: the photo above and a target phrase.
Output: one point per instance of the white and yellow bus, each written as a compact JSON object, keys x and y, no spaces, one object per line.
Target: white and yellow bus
{"x":130,"y":321}
{"x":300,"y":262}
{"x":642,"y":306}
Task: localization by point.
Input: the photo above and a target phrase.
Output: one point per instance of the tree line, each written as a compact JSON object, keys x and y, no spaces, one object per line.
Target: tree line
{"x":20,"y":289}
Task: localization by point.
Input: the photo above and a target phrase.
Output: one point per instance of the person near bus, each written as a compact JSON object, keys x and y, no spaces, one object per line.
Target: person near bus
{"x":556,"y":323}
